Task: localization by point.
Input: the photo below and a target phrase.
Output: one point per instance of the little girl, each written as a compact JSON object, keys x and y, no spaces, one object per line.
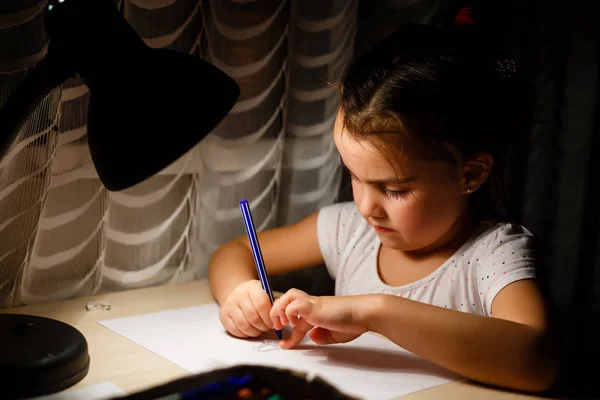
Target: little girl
{"x":418,"y":256}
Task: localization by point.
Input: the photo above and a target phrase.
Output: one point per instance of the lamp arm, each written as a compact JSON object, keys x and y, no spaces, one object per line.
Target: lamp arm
{"x":46,"y":76}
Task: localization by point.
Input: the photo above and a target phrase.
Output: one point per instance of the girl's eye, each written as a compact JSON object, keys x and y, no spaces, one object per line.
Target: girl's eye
{"x":394,"y":194}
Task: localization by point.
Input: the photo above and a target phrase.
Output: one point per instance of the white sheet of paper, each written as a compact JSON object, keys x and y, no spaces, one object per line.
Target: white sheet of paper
{"x":99,"y":391}
{"x":369,"y":367}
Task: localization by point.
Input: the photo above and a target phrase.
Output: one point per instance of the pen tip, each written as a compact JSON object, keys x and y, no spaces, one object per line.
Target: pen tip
{"x":279,"y":334}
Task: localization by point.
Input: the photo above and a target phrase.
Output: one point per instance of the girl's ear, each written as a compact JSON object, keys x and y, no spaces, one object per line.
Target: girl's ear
{"x":476,"y":170}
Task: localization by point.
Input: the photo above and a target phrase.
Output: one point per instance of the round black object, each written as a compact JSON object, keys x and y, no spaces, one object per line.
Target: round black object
{"x":39,"y":356}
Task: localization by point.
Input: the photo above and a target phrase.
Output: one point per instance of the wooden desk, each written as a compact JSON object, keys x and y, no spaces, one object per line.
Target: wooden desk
{"x":133,"y":368}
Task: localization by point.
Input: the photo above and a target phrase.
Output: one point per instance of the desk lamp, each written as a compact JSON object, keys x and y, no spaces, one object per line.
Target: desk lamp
{"x":147,"y":108}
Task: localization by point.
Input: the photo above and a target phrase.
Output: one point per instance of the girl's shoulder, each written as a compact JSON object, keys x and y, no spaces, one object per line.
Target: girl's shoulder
{"x":501,"y":253}
{"x":501,"y":238}
{"x":495,"y":229}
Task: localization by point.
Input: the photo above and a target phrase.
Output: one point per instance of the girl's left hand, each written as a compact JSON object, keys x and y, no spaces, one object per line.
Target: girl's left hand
{"x":335,"y":319}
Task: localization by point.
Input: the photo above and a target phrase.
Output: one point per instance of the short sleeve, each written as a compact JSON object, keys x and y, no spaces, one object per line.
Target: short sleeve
{"x":333,"y":224}
{"x":509,"y":257}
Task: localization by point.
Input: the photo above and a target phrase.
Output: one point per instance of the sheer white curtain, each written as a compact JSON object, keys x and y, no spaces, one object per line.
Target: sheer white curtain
{"x":63,"y":235}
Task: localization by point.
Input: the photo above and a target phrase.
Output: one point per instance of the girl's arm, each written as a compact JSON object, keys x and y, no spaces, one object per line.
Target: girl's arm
{"x":283,"y":249}
{"x":512,"y":349}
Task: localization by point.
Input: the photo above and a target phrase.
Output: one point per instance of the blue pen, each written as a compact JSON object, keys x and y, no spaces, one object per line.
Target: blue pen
{"x":258,"y":259}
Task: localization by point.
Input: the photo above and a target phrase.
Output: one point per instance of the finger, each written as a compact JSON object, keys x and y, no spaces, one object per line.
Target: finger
{"x":274,"y":315}
{"x":277,"y":312}
{"x":262,"y":304}
{"x":297,"y":309}
{"x":297,"y":294}
{"x":228,"y":323}
{"x":282,"y":317}
{"x":251,"y":314}
{"x":297,"y":335}
{"x":242,"y":323}
{"x":291,"y":313}
{"x":321,"y":336}
{"x":232,"y":328}
{"x":326,"y":336}
{"x":281,"y":304}
{"x":276,"y":321}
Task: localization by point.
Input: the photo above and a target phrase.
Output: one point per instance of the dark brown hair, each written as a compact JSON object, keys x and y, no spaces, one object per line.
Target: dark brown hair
{"x":441,"y":90}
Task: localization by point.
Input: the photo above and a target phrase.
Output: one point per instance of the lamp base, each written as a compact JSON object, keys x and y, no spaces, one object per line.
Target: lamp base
{"x":39,"y":356}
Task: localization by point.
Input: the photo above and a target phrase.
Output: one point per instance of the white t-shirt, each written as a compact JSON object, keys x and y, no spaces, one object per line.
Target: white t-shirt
{"x":496,"y":255}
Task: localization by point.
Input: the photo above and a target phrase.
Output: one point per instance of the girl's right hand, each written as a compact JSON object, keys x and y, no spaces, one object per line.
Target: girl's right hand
{"x":245,"y":312}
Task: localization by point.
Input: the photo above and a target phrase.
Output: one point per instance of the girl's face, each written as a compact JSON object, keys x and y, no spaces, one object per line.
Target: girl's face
{"x":413,"y":209}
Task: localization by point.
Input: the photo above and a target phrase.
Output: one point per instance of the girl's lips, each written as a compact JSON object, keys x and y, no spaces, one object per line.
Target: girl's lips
{"x":381,"y":229}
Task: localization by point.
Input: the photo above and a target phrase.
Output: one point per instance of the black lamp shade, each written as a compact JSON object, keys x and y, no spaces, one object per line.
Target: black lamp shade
{"x":148,"y":107}
{"x":150,"y":113}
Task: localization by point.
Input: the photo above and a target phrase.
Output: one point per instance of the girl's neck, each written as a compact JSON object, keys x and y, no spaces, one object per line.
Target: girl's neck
{"x":451,"y":241}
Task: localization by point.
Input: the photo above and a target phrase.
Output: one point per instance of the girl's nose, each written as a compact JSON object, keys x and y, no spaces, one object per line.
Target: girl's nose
{"x":369,"y":206}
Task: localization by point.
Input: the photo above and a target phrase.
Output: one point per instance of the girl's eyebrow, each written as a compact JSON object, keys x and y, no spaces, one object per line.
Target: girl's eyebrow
{"x":386,"y":181}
